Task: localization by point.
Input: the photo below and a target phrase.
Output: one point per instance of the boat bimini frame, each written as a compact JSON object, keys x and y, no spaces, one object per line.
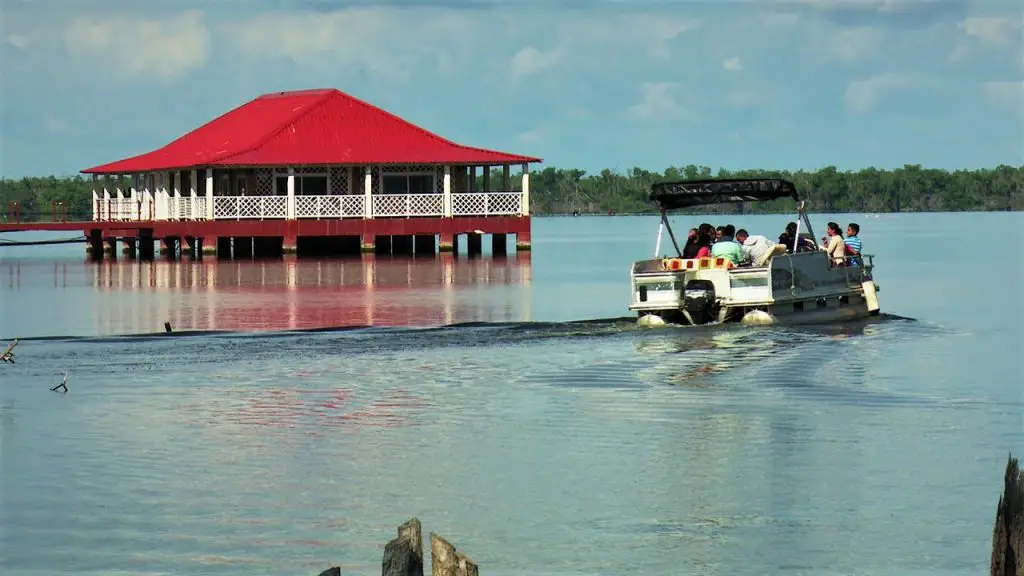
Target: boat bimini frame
{"x":689,"y":193}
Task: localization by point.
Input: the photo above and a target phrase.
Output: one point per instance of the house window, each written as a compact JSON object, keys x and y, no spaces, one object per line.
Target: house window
{"x":313,"y":185}
{"x":407,"y":184}
{"x":305,"y":184}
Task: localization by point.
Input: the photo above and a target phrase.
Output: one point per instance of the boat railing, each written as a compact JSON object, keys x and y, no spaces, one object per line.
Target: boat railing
{"x":861,"y":272}
{"x":677,"y":265}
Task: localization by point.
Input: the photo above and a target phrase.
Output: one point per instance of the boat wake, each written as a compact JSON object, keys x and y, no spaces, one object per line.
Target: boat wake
{"x":595,"y":327}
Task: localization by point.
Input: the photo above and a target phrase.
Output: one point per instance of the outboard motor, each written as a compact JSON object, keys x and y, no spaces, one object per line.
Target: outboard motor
{"x":699,"y":303}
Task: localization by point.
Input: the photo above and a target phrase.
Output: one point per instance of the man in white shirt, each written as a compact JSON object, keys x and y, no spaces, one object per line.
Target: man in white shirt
{"x":756,"y":249}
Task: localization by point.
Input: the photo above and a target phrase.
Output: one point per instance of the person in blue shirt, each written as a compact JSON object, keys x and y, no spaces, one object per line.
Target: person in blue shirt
{"x":853,"y":244}
{"x":726,"y":247}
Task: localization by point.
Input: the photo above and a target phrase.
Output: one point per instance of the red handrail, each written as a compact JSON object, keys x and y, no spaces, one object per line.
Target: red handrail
{"x":60,"y":211}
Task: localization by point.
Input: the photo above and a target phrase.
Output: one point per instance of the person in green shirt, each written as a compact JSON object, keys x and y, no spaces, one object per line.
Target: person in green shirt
{"x":727,"y":247}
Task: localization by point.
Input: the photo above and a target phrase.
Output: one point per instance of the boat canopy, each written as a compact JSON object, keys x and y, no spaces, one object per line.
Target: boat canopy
{"x":687,"y":193}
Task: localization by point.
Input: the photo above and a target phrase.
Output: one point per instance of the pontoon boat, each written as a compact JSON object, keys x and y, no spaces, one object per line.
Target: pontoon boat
{"x":800,"y":287}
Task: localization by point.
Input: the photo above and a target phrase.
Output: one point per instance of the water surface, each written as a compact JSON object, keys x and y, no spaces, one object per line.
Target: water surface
{"x":537,"y":444}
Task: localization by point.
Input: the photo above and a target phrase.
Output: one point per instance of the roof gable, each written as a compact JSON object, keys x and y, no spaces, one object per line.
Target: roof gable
{"x":303,"y":128}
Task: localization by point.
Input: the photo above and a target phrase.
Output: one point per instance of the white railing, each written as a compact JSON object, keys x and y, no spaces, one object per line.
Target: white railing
{"x":348,"y":206}
{"x":391,"y":205}
{"x":179,"y":208}
{"x":486,"y":203}
{"x":113,"y":209}
{"x":239,"y":207}
{"x":198,"y":207}
{"x":317,"y":207}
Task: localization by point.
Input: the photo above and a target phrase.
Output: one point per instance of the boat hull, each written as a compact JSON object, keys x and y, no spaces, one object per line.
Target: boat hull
{"x":782,"y":315}
{"x":801,"y":289}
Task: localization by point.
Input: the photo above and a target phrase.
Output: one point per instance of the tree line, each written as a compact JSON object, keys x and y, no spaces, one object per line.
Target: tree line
{"x":567,"y":191}
{"x":908,"y":189}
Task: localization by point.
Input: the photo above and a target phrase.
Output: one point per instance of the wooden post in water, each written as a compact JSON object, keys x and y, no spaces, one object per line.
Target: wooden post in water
{"x":1008,"y":535}
{"x":445,"y":561}
{"x":403,"y":556}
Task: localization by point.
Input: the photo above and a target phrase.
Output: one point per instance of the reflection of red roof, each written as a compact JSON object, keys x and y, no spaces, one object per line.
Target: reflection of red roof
{"x":307,"y":127}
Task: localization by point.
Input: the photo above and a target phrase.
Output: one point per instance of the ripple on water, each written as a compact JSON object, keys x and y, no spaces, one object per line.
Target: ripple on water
{"x":275,"y":454}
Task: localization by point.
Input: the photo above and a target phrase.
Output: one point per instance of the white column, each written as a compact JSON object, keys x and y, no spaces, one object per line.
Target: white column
{"x":124,"y":208}
{"x":367,"y":188}
{"x":126,"y":213}
{"x":165,"y":192}
{"x":147,"y":196}
{"x":176,"y":186}
{"x":160,"y":194}
{"x":526,"y":190}
{"x":193,"y":192}
{"x":209,"y":193}
{"x":290,"y":202}
{"x":447,"y":191}
{"x":108,"y":208}
{"x":138,"y":202}
{"x":95,"y":198}
{"x":153,"y":191}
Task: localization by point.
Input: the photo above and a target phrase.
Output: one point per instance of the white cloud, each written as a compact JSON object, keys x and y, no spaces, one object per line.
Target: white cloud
{"x":658,"y":101}
{"x":594,"y":41}
{"x":853,"y":44}
{"x":657,"y":31}
{"x":863,"y":95}
{"x":1005,"y":94}
{"x":166,"y":47}
{"x":987,"y":35}
{"x":393,"y":43}
{"x":994,"y":30}
{"x":530,"y":60}
{"x":386,"y":42}
{"x":533,"y":136}
{"x":55,"y":125}
{"x":732,"y":64}
{"x":18,"y":41}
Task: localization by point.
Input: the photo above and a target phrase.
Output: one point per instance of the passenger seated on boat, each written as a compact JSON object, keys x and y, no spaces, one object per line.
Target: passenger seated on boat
{"x":703,"y":243}
{"x":757,"y":249}
{"x":853,"y":244}
{"x":788,"y":237}
{"x":690,"y":248}
{"x":719,"y":233}
{"x":789,"y":240}
{"x":726,"y":247}
{"x":834,"y":245}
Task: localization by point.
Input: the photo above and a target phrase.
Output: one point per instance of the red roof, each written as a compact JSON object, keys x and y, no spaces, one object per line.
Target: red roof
{"x":303,"y":128}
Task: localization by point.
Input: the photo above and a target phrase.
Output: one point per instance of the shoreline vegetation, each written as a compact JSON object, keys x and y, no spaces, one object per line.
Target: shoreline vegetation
{"x":559,"y":191}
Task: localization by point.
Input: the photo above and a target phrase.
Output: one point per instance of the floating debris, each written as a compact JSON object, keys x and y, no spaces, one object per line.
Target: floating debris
{"x":8,"y":356}
{"x":63,"y":384}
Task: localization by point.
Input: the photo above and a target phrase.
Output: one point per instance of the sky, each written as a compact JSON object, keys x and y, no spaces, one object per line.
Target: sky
{"x":589,"y":84}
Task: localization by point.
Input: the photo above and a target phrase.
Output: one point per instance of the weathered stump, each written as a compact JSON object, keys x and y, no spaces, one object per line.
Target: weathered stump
{"x":445,"y":561}
{"x":403,"y":556}
{"x":1008,"y":535}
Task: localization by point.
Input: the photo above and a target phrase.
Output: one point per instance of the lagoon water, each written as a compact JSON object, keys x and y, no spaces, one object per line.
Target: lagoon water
{"x":537,"y":444}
